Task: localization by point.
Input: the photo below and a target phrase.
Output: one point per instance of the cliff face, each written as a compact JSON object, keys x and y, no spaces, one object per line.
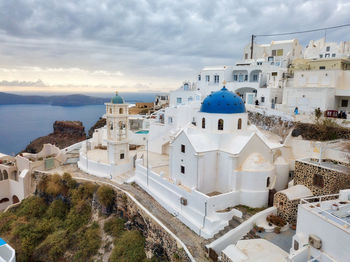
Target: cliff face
{"x":65,"y":134}
{"x":100,"y":123}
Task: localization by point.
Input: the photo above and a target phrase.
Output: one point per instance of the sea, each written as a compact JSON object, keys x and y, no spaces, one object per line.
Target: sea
{"x":21,"y":124}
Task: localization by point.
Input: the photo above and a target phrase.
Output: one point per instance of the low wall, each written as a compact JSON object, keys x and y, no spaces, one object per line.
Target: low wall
{"x":237,"y":233}
{"x":199,"y":213}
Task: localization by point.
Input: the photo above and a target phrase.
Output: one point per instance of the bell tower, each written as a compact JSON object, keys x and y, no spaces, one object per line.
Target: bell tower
{"x":117,"y":117}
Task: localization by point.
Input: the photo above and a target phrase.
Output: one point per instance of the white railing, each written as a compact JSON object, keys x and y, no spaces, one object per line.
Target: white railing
{"x":315,"y":204}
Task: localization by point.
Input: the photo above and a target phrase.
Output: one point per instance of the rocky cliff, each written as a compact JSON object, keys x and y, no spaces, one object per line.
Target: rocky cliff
{"x":100,"y":123}
{"x":323,"y":130}
{"x":65,"y":133}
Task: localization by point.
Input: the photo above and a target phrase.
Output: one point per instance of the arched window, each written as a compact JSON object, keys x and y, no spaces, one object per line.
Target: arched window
{"x":6,"y":175}
{"x":111,"y":125}
{"x":1,"y":176}
{"x":15,"y":199}
{"x":203,"y":122}
{"x":120,"y":110}
{"x":110,"y":110}
{"x":220,"y":124}
{"x":239,"y":126}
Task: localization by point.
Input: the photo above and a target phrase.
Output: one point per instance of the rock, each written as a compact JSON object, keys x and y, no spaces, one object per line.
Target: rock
{"x":100,"y":123}
{"x":65,"y":133}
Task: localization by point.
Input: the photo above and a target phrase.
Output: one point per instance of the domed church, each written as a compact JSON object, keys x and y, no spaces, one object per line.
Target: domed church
{"x":220,"y":154}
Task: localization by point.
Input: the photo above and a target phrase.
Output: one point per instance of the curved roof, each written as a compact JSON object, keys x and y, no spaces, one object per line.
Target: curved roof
{"x":117,"y":99}
{"x":223,"y":102}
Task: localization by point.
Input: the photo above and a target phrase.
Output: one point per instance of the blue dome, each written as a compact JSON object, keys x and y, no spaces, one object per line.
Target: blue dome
{"x":223,"y":102}
{"x":117,"y":99}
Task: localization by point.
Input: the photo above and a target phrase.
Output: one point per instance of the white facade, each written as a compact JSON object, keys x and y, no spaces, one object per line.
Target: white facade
{"x":326,"y":89}
{"x":322,"y":49}
{"x":253,"y":80}
{"x":15,"y":172}
{"x":281,"y":53}
{"x":323,"y":230}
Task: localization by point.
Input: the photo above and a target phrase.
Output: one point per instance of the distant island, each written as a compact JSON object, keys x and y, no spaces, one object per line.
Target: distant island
{"x":69,"y":100}
{"x":65,"y":100}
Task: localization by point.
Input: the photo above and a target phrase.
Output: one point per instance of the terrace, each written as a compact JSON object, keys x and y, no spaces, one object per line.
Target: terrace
{"x":331,"y":208}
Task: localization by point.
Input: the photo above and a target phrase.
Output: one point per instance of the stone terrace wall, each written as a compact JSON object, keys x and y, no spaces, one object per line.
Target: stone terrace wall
{"x":333,"y":180}
{"x":286,"y":209}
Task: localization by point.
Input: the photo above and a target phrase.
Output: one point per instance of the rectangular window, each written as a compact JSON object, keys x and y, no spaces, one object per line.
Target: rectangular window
{"x":246,"y":78}
{"x":179,"y":100}
{"x":182,"y":170}
{"x":235,"y":77}
{"x":328,"y":48}
{"x":280,"y":52}
{"x":273,"y":53}
{"x":216,"y":79}
{"x":270,"y":59}
{"x":322,"y":67}
{"x":255,"y":78}
{"x":183,"y":149}
{"x":122,"y":156}
{"x":318,"y":180}
{"x":199,"y":77}
{"x":262,"y":99}
{"x":207,"y":78}
{"x":274,"y":74}
{"x":344,"y":103}
{"x":333,"y":55}
{"x":321,"y":56}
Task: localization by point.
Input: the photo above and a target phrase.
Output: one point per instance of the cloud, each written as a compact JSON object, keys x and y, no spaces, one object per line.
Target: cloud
{"x":37,"y":83}
{"x":150,"y":40}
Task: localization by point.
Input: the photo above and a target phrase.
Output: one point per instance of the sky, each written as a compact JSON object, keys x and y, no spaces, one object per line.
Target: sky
{"x":142,"y":45}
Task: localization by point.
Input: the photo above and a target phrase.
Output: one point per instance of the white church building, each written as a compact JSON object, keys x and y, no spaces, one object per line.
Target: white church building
{"x":107,"y":153}
{"x":215,"y":163}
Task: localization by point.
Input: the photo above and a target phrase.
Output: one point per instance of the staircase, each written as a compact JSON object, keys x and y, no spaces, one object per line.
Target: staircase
{"x":234,"y":222}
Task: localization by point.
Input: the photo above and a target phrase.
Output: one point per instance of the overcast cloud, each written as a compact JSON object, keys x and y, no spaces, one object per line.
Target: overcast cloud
{"x":154,"y":44}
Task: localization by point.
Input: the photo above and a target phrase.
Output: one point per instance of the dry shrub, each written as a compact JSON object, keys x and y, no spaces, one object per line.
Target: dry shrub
{"x":276,"y":220}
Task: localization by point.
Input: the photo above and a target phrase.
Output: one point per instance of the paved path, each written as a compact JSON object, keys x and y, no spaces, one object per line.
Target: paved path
{"x":193,"y":242}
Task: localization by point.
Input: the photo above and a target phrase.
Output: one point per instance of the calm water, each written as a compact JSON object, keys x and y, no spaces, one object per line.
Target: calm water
{"x":20,"y":124}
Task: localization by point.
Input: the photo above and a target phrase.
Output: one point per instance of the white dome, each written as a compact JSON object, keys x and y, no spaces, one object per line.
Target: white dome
{"x":256,"y":162}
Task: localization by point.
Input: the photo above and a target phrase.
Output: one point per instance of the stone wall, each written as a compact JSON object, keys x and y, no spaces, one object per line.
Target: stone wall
{"x":333,"y":180}
{"x":274,"y":124}
{"x":286,"y":209}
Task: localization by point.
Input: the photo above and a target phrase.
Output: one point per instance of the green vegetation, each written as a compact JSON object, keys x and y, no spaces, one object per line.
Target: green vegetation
{"x":59,"y":224}
{"x":129,"y":247}
{"x":105,"y":195}
{"x":249,"y":210}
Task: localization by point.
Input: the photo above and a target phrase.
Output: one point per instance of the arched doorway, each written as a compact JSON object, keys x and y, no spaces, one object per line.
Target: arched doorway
{"x":15,"y":199}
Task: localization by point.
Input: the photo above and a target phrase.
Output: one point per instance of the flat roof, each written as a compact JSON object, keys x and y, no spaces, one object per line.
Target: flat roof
{"x":327,"y":164}
{"x":255,"y":250}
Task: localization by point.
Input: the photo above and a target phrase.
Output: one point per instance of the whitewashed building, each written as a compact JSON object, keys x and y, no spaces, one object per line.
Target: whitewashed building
{"x":107,"y":153}
{"x":15,"y":172}
{"x":328,"y":89}
{"x":323,"y":229}
{"x":216,"y":163}
{"x":321,"y":49}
